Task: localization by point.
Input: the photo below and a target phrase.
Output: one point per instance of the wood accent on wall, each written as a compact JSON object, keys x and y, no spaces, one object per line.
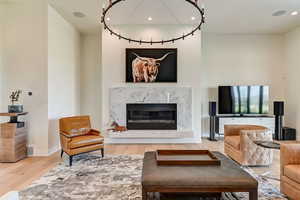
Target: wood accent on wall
{"x":13,"y":141}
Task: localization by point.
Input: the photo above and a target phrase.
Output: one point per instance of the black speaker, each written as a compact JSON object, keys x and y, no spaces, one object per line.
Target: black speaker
{"x":278,"y":112}
{"x":288,"y":133}
{"x":279,"y":108}
{"x":212,"y":111}
{"x":212,"y":108}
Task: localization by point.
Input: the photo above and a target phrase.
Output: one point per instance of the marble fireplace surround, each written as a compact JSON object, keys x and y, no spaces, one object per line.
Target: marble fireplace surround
{"x":182,"y":96}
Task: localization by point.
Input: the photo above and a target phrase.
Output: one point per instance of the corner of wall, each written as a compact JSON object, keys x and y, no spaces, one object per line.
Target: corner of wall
{"x":292,"y":70}
{"x":63,"y":76}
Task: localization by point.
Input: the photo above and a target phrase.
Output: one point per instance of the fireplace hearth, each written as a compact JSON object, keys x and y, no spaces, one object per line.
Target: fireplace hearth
{"x":151,"y":116}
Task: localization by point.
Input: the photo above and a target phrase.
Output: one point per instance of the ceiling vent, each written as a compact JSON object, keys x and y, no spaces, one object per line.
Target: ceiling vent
{"x":79,"y":14}
{"x":279,"y":13}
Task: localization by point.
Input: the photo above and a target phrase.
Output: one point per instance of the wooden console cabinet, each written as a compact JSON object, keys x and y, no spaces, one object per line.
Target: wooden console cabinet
{"x":13,"y":139}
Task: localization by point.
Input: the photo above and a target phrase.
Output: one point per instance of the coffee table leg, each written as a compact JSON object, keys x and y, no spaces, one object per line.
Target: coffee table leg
{"x":253,"y":195}
{"x":144,"y":194}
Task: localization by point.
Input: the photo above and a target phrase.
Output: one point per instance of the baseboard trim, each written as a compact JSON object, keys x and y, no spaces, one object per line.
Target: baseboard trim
{"x":152,"y":141}
{"x":53,"y":150}
{"x":50,"y":152}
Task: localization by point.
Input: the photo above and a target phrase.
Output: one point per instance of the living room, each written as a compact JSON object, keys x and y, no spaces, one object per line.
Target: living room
{"x":66,"y":63}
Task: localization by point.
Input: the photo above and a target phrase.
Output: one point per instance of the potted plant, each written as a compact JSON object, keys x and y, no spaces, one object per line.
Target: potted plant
{"x":14,"y":97}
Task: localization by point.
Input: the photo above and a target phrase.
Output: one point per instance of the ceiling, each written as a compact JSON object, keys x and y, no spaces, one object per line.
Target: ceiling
{"x":222,"y":16}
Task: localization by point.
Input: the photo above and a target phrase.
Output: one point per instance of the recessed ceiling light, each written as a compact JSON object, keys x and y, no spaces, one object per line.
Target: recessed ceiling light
{"x":149,"y":18}
{"x":279,"y":13}
{"x":295,"y":13}
{"x":108,"y":19}
{"x":193,"y":18}
{"x":79,"y":14}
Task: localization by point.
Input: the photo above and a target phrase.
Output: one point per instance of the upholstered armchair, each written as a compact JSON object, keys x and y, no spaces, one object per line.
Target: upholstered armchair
{"x":239,"y":144}
{"x":290,"y":170}
{"x":77,"y":136}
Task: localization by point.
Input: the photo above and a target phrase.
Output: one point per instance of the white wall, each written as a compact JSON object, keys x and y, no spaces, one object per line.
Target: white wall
{"x":240,"y":59}
{"x":2,"y":9}
{"x":25,"y":64}
{"x":63,"y":73}
{"x":46,"y":66}
{"x":292,"y":86}
{"x":90,"y":93}
{"x":189,"y":64}
{"x":226,"y":60}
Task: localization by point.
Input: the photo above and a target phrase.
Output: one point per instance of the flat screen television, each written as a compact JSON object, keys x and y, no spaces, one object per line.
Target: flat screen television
{"x":243,"y":99}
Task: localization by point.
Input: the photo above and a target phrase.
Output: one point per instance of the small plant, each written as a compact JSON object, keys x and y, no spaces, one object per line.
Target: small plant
{"x":15,"y":95}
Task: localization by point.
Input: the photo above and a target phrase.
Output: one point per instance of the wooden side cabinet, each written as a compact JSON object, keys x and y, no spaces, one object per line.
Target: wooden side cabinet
{"x":13,"y":142}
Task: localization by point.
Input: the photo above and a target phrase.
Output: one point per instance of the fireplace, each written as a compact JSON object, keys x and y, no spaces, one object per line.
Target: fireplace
{"x":151,"y":116}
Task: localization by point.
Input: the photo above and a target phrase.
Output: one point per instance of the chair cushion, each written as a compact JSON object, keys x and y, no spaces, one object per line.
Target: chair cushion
{"x":233,"y":141}
{"x":79,"y":132}
{"x":85,"y":140}
{"x":293,"y":172}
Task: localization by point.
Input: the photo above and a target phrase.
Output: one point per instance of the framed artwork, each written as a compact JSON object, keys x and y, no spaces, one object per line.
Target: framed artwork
{"x":151,"y":65}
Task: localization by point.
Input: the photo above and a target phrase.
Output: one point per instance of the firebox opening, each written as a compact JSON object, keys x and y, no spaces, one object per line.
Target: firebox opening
{"x":151,"y":116}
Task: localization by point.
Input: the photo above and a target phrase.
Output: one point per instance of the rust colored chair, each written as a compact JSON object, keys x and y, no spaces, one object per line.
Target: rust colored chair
{"x":290,"y":170}
{"x":239,"y":144}
{"x":77,"y":136}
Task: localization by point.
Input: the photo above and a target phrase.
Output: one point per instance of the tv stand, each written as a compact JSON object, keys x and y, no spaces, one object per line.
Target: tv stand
{"x":260,"y":120}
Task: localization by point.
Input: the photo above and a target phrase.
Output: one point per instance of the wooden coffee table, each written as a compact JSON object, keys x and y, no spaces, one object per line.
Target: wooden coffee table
{"x":228,"y":177}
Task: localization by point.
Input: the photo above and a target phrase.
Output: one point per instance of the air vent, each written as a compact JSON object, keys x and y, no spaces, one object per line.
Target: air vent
{"x":279,"y":13}
{"x":30,"y":150}
{"x":79,"y":14}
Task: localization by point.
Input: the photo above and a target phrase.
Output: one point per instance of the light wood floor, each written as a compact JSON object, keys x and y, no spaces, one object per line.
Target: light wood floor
{"x":17,"y":176}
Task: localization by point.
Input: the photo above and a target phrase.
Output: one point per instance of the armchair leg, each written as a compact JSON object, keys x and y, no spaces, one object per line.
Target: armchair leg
{"x":71,"y":160}
{"x":102,"y":153}
{"x":61,"y":154}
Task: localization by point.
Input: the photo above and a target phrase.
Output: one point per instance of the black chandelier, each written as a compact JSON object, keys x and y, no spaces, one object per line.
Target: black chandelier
{"x":112,"y":3}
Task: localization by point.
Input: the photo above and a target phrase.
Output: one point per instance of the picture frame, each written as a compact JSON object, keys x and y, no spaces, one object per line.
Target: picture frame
{"x":151,"y":65}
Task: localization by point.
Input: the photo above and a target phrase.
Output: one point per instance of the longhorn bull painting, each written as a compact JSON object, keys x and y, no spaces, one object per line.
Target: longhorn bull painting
{"x":151,"y":65}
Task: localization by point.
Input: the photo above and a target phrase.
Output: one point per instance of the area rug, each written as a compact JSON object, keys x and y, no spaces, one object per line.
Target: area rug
{"x":111,"y":178}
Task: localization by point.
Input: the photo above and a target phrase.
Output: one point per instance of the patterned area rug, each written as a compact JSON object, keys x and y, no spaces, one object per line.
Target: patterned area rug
{"x":111,"y":178}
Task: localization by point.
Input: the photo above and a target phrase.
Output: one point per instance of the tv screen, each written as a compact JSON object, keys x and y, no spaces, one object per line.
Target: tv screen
{"x":243,"y":99}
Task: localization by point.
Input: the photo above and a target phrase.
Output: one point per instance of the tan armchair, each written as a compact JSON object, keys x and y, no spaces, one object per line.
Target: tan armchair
{"x":77,"y":136}
{"x":290,"y":170}
{"x":239,"y":144}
